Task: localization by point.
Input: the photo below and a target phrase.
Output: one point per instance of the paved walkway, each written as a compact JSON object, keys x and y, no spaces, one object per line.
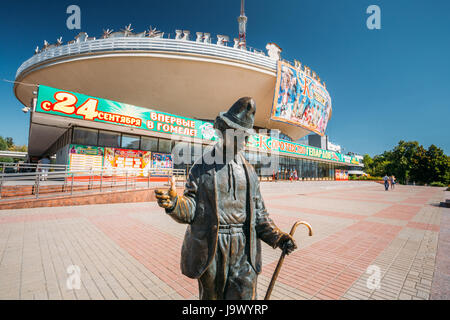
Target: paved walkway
{"x":367,"y":244}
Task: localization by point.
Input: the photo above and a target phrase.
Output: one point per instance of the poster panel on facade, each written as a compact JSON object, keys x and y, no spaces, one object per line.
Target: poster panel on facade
{"x":79,"y":106}
{"x":122,"y":160}
{"x":341,"y":175}
{"x":163,"y":164}
{"x":345,"y":175}
{"x":85,"y":158}
{"x":300,"y":99}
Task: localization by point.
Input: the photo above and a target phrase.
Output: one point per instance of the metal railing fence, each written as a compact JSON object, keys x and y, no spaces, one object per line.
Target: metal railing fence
{"x":254,"y":56}
{"x":10,"y":167}
{"x":59,"y":182}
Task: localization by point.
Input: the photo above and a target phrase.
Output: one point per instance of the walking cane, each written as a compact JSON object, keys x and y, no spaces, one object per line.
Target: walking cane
{"x":283,"y":254}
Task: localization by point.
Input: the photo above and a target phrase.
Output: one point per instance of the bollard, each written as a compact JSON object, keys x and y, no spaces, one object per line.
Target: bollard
{"x":101,"y":180}
{"x":91,"y":178}
{"x":71,"y":185}
{"x":36,"y":191}
{"x":65,"y":182}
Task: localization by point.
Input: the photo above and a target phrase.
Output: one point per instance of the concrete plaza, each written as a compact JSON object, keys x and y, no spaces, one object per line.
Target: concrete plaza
{"x":367,"y":244}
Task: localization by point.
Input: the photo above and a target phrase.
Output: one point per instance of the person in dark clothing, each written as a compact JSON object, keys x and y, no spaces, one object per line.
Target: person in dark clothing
{"x":386,"y":182}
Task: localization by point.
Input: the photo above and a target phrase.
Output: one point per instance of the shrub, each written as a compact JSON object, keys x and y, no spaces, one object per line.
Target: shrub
{"x":437,"y":184}
{"x":365,"y":178}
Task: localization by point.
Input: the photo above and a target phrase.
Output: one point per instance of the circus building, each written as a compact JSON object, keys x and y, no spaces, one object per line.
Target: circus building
{"x":120,"y":99}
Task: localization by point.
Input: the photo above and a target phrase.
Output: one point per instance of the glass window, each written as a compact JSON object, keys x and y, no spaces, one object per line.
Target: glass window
{"x":308,"y":169}
{"x":149,"y":144}
{"x":84,"y":136}
{"x":196,"y":151}
{"x":164,"y":145}
{"x":109,"y":139}
{"x":316,"y":169}
{"x":181,"y":153}
{"x":299,"y":168}
{"x":130,"y":142}
{"x":305,"y":168}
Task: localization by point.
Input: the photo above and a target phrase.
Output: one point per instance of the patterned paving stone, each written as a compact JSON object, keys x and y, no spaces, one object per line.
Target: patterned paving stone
{"x":367,"y":244}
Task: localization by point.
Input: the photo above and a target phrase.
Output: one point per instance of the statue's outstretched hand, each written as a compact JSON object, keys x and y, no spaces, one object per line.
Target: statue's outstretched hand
{"x":167,"y":199}
{"x":287,"y":243}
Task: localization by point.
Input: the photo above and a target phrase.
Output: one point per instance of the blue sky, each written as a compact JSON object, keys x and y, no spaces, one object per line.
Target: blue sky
{"x":386,"y":85}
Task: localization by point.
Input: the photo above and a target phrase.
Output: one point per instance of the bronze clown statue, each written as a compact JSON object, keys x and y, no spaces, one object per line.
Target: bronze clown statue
{"x":225,"y":213}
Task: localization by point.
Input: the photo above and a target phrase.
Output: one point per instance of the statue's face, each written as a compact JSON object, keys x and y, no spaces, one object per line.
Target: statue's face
{"x":231,"y":141}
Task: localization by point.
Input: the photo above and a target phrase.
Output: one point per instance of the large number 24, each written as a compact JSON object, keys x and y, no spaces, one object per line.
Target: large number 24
{"x":66,"y":104}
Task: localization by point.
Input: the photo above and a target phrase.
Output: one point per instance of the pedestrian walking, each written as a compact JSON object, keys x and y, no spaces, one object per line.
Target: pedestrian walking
{"x":392,"y":181}
{"x":386,"y":183}
{"x":44,"y":165}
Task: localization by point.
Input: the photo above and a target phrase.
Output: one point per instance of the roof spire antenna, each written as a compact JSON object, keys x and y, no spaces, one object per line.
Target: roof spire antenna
{"x":242,"y":20}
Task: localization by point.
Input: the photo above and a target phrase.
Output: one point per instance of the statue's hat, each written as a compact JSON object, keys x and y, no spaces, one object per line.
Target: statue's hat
{"x":241,"y":115}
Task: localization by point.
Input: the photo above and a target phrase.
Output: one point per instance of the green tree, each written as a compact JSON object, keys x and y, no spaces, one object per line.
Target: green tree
{"x":400,"y":160}
{"x":419,"y":166}
{"x":438,"y":165}
{"x":22,"y":148}
{"x":411,"y":162}
{"x":431,"y":165}
{"x":380,"y":164}
{"x":3,"y":144}
{"x":368,"y":163}
{"x":8,"y":144}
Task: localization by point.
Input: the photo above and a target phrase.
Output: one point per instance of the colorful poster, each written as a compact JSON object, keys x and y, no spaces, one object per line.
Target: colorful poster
{"x":345,"y":175}
{"x":85,"y":158}
{"x":80,"y":106}
{"x":341,"y":175}
{"x":136,"y":160}
{"x":300,"y":100}
{"x":337,"y":174}
{"x":162,"y":160}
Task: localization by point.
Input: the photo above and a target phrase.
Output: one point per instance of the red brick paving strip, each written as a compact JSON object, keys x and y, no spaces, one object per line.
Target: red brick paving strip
{"x":327,"y":268}
{"x":159,"y":252}
{"x":398,"y":211}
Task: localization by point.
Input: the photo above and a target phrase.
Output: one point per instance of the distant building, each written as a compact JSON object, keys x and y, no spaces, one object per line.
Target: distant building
{"x":356,"y":170}
{"x":315,"y":140}
{"x":333,"y":147}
